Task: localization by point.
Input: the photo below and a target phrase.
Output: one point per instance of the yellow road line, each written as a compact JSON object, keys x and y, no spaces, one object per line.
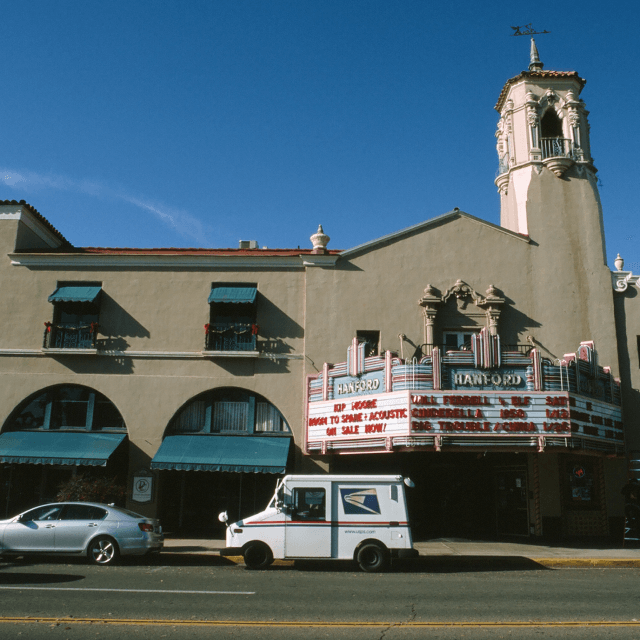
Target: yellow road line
{"x":311,"y":623}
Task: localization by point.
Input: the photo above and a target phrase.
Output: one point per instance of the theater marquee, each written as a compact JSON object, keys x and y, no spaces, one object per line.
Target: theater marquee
{"x":513,"y":404}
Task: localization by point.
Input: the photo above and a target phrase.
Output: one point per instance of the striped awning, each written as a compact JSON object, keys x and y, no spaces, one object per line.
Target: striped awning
{"x":242,"y":454}
{"x":58,"y":447}
{"x":76,"y":293}
{"x":238,"y":295}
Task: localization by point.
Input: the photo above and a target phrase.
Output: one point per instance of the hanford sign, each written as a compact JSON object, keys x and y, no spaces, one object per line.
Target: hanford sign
{"x":483,"y":397}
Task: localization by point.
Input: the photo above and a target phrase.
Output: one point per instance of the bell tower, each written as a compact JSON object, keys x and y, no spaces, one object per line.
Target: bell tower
{"x":546,"y":177}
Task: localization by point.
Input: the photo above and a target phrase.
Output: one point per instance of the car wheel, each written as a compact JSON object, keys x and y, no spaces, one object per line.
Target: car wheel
{"x":103,"y":550}
{"x":257,"y":555}
{"x":372,"y":557}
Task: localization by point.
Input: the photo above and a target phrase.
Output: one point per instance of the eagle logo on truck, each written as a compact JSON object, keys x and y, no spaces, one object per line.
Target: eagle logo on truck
{"x":359,"y":501}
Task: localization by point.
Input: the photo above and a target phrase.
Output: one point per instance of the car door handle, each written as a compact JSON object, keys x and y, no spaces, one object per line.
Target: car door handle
{"x":92,"y":524}
{"x":49,"y":526}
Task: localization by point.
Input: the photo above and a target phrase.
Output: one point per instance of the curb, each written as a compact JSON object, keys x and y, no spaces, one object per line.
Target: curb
{"x":438,"y":562}
{"x":587,"y":562}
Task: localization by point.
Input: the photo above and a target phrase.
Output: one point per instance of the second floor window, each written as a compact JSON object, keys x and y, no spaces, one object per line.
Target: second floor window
{"x":457,"y":340}
{"x":76,"y":310}
{"x":371,"y":340}
{"x":232,"y":325}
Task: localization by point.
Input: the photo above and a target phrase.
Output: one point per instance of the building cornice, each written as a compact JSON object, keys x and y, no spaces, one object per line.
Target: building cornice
{"x":180,"y":355}
{"x":150,"y":260}
{"x":622,"y":280}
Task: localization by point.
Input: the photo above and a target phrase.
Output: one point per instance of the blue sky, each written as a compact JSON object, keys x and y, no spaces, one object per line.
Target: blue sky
{"x":200,"y":123}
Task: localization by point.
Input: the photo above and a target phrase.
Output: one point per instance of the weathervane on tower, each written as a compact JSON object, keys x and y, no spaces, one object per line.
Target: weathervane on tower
{"x":527,"y":30}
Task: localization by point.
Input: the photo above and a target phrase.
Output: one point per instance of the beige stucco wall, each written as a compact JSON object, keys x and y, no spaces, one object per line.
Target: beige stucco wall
{"x":542,"y":280}
{"x":150,"y":310}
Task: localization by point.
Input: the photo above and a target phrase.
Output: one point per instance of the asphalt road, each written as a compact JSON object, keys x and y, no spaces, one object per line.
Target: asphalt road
{"x":196,"y":598}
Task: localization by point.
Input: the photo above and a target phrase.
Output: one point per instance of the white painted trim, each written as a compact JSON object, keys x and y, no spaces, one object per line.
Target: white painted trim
{"x":199,"y":355}
{"x":22,"y":214}
{"x":171,"y":261}
{"x":231,"y":354}
{"x":622,"y":280}
{"x":70,"y":352}
{"x":319,"y":260}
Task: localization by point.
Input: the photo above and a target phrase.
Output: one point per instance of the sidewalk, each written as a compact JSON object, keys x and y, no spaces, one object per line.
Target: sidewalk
{"x":460,"y":552}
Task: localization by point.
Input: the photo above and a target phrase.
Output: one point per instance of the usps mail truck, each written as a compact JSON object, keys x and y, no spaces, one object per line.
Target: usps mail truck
{"x":363,"y":518}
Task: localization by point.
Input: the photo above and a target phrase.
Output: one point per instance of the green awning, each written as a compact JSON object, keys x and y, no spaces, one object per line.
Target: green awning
{"x":242,"y":454}
{"x":58,"y":447}
{"x":76,"y":293}
{"x":238,"y":295}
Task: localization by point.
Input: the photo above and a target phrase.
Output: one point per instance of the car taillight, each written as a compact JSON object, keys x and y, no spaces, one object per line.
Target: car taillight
{"x":145,"y":526}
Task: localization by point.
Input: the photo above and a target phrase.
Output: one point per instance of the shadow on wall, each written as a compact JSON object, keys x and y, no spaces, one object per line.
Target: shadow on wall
{"x":276,"y":327}
{"x":515,"y":323}
{"x":630,"y":396}
{"x":116,"y":324}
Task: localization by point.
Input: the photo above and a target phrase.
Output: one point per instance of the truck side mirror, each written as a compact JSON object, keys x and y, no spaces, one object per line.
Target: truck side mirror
{"x":409,"y":482}
{"x":223,"y":517}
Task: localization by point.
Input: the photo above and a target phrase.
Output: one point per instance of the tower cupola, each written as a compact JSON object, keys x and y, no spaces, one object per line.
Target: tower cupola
{"x":542,"y":128}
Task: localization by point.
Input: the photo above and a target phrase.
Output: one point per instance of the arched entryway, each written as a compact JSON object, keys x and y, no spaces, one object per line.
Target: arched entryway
{"x":222,"y":451}
{"x":54,"y":435}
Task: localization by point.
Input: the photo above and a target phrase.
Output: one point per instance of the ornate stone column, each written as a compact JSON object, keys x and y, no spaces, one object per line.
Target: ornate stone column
{"x":430,"y":302}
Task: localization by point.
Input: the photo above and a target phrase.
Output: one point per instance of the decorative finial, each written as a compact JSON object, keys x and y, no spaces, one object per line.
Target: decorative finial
{"x":619,"y":262}
{"x":534,"y":58}
{"x":320,"y":240}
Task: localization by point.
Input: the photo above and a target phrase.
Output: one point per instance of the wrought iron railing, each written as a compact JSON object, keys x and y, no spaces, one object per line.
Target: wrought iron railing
{"x":70,"y":336}
{"x":556,"y":148}
{"x":230,"y":336}
{"x":524,"y":349}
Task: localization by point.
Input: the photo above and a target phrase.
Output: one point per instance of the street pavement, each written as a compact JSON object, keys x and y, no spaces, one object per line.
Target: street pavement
{"x":457,"y":551}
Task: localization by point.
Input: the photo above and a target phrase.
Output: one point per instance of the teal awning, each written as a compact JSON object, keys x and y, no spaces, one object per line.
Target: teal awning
{"x":58,"y":447}
{"x":242,"y":454}
{"x":76,"y":293}
{"x":233,"y":294}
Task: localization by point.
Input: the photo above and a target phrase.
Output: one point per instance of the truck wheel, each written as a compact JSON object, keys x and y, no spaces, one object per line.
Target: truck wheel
{"x":372,"y":557}
{"x":257,"y":555}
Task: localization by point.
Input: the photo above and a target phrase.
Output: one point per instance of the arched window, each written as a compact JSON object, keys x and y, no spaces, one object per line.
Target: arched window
{"x":66,"y":407}
{"x":551,"y":125}
{"x":228,"y":411}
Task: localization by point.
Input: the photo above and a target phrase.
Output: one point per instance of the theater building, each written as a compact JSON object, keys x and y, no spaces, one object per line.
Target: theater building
{"x":491,"y":363}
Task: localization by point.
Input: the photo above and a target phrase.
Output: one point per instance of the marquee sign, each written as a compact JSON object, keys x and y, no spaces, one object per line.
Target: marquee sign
{"x":525,"y":401}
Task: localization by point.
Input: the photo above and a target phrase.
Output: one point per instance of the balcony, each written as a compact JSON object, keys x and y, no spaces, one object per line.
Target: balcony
{"x":522,"y":349}
{"x":66,"y":336}
{"x":557,"y":154}
{"x":231,"y":338}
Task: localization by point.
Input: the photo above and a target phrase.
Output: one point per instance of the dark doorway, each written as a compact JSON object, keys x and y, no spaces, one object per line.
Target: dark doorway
{"x":453,"y":495}
{"x":190,"y":501}
{"x":512,"y":503}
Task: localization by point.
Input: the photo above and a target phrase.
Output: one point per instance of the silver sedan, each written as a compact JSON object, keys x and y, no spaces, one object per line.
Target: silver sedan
{"x":100,"y":532}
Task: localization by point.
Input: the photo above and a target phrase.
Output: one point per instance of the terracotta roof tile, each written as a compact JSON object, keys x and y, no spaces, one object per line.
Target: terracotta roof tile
{"x":67,"y":247}
{"x":533,"y":75}
{"x":40,"y":217}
